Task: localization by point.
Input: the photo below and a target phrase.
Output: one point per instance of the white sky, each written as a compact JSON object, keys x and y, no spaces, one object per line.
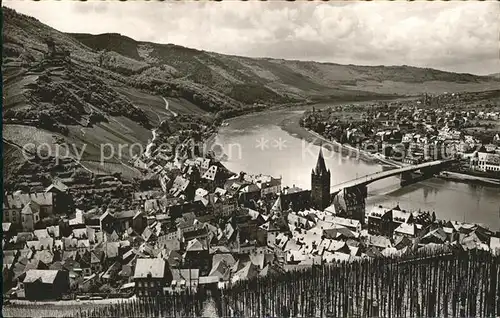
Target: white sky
{"x":455,"y":36}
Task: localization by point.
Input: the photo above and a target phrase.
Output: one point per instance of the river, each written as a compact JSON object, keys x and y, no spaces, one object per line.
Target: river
{"x":257,"y":143}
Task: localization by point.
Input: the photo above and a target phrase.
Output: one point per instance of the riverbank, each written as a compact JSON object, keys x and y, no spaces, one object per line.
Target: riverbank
{"x":293,"y":162}
{"x":291,"y":125}
{"x":460,"y":177}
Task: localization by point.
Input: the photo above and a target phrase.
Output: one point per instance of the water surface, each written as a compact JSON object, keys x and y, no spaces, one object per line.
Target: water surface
{"x":256,"y":144}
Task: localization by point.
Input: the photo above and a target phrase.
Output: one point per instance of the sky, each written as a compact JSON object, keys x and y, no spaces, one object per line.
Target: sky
{"x":455,"y":36}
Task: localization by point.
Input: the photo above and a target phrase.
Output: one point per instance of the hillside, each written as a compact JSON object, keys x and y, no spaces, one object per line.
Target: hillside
{"x":215,"y":81}
{"x":108,"y":88}
{"x":265,"y":80}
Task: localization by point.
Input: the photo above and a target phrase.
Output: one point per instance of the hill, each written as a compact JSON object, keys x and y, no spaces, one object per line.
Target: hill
{"x":213,"y":81}
{"x":250,"y":80}
{"x":96,"y":89}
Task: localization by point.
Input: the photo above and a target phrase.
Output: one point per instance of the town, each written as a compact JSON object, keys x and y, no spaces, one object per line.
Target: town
{"x":366,"y":180}
{"x":190,"y":224}
{"x":463,"y":126}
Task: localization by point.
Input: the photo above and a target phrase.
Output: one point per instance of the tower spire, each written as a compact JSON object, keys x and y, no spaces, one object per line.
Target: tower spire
{"x":320,"y":183}
{"x":320,"y":164}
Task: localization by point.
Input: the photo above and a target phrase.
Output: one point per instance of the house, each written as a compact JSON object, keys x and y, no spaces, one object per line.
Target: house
{"x":350,"y":203}
{"x":217,"y":175}
{"x":12,"y":213}
{"x":197,"y":255}
{"x":45,"y":284}
{"x":151,"y":275}
{"x":248,"y":271}
{"x":7,"y":230}
{"x":151,"y":206}
{"x":249,"y":192}
{"x":223,"y":205}
{"x":173,"y":258}
{"x":78,"y":220}
{"x":183,"y":279}
{"x":186,"y":223}
{"x":339,"y":232}
{"x":201,"y":233}
{"x":30,"y":215}
{"x":407,"y":230}
{"x":271,"y":231}
{"x":495,"y":245}
{"x":402,"y":242}
{"x":221,"y":269}
{"x":18,"y":200}
{"x":436,"y":236}
{"x":486,"y":162}
{"x":266,"y":184}
{"x":169,"y":244}
{"x":378,"y":242}
{"x":182,"y":186}
{"x":123,"y":220}
{"x":95,"y":262}
{"x":299,"y":221}
{"x":295,"y":198}
{"x":351,"y":224}
{"x":383,"y":221}
{"x":151,"y":181}
{"x":375,"y":221}
{"x":62,"y":200}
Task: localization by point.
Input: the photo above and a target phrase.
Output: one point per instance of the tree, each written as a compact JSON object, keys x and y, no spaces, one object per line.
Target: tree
{"x":106,"y":288}
{"x":82,"y":175}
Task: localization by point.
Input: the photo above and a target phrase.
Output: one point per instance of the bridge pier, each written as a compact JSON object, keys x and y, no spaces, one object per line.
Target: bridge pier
{"x":407,"y":178}
{"x":410,"y":177}
{"x":431,"y":171}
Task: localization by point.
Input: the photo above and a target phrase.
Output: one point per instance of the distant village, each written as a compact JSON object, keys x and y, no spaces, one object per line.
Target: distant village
{"x":414,"y":132}
{"x":190,"y":224}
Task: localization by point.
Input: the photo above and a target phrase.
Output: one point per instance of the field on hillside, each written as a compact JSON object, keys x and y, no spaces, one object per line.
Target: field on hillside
{"x":14,"y":90}
{"x":118,"y":140}
{"x":180,"y":105}
{"x":430,"y":87}
{"x":217,"y":81}
{"x":120,"y":136}
{"x":12,"y":157}
{"x":96,"y":85}
{"x":126,"y":171}
{"x":22,"y":135}
{"x":154,"y":105}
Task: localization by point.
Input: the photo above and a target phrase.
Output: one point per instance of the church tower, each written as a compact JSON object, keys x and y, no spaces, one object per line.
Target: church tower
{"x":320,"y":184}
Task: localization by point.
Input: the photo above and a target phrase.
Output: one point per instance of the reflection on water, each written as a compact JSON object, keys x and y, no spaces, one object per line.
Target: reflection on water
{"x":259,"y":146}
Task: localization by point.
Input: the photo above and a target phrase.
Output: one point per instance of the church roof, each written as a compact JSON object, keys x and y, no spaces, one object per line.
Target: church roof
{"x":320,"y":164}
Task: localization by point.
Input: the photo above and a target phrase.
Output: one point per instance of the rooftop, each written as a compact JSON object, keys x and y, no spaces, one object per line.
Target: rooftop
{"x":46,"y":276}
{"x":150,"y":268}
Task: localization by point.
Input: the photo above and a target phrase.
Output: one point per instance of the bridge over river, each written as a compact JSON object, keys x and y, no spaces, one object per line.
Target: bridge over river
{"x":427,"y":169}
{"x":349,"y":198}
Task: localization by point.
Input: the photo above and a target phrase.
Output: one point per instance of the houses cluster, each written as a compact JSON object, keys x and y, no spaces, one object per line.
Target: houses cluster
{"x":319,"y":237}
{"x":190,"y":224}
{"x":416,"y":229}
{"x":198,"y":228}
{"x":413,"y":133}
{"x":488,"y":162}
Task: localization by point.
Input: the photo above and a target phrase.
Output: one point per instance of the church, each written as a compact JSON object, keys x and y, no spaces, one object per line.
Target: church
{"x":320,"y":184}
{"x":349,"y":203}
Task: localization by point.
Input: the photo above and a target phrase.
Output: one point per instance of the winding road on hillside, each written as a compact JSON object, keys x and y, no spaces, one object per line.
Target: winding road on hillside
{"x":167,"y":108}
